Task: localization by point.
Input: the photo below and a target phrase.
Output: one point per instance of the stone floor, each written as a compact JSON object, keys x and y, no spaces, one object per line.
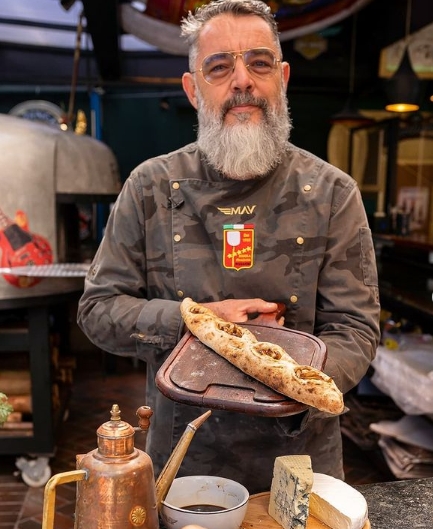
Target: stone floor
{"x":95,"y":389}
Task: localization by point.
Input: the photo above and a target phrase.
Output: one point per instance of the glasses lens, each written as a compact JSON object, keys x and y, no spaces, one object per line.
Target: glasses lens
{"x":260,"y":61}
{"x":217,"y":66}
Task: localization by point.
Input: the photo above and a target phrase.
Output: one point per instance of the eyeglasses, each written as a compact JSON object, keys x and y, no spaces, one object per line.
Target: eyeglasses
{"x":216,"y":67}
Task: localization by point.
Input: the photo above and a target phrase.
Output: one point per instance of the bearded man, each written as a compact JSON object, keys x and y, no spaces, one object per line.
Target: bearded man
{"x":238,"y":220}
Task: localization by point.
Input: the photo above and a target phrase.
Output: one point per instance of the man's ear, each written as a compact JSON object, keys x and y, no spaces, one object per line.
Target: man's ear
{"x":188,"y":84}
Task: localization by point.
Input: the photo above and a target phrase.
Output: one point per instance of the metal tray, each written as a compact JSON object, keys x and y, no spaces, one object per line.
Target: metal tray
{"x":194,"y":374}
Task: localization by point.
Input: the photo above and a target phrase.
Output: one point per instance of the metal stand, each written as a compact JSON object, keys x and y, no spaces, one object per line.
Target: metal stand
{"x":36,"y":340}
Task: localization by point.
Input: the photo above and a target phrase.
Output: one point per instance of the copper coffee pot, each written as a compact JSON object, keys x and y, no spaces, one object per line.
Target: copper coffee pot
{"x":115,"y":482}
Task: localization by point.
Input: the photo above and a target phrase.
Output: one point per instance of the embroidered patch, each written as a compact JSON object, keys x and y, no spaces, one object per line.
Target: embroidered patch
{"x":238,"y":249}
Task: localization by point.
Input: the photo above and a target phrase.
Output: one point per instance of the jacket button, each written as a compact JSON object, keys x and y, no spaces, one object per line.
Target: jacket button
{"x":307,"y":188}
{"x":176,"y":185}
{"x":180,"y":293}
{"x":300,"y":240}
{"x":177,"y":238}
{"x":293,"y":299}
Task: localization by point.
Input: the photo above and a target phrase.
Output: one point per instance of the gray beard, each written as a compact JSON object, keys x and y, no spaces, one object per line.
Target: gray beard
{"x":244,"y":150}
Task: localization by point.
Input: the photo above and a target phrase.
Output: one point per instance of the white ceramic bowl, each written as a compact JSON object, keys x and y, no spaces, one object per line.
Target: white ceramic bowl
{"x":230,"y":495}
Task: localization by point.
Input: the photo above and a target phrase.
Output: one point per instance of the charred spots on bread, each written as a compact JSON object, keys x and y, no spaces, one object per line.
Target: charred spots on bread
{"x":309,"y":373}
{"x":198,"y":309}
{"x":267,"y":350}
{"x":230,"y":328}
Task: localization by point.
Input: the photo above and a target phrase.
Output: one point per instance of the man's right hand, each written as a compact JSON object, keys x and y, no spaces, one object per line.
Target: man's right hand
{"x":238,"y":310}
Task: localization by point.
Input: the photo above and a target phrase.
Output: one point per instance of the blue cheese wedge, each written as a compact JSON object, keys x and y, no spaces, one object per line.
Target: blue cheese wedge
{"x":290,"y":491}
{"x":337,"y":504}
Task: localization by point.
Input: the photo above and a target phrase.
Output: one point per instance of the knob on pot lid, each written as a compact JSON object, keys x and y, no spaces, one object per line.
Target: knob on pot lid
{"x":115,"y":437}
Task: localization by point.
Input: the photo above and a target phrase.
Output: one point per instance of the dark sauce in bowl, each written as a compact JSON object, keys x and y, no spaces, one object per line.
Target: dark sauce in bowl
{"x":204,"y":508}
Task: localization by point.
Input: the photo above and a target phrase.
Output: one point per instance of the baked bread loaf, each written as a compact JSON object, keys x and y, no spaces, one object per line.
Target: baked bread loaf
{"x":266,"y":362}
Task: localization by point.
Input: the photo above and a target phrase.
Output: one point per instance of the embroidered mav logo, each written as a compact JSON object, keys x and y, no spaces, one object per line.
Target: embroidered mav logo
{"x":238,"y":249}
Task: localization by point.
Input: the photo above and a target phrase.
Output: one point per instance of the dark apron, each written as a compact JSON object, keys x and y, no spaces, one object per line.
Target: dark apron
{"x":238,"y":446}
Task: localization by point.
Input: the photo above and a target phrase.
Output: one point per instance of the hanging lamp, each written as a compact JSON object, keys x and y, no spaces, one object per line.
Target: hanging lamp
{"x":349,"y":115}
{"x":404,"y":87}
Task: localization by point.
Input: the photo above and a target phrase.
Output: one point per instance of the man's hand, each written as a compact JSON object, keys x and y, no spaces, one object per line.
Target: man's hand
{"x":237,"y":310}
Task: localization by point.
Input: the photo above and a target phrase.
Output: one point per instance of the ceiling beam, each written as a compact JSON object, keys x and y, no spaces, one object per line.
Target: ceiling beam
{"x":103,"y":27}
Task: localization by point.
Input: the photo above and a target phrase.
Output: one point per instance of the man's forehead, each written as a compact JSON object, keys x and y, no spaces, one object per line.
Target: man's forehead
{"x":227,"y":32}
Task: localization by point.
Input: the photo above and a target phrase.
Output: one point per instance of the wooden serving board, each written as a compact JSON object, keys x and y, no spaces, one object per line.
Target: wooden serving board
{"x":257,"y":516}
{"x":194,"y":374}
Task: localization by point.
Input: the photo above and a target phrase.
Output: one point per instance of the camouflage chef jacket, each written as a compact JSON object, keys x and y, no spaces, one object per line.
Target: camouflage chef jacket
{"x":298,"y":236}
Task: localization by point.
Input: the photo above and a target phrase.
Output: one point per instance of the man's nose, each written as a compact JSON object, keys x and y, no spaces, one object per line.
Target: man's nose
{"x":241,"y":76}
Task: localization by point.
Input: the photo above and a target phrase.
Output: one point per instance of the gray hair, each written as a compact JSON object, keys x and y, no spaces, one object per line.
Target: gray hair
{"x":192,"y":25}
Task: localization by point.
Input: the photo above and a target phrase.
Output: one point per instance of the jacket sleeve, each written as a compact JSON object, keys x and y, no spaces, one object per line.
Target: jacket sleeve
{"x":114,"y":304}
{"x":348,"y":310}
